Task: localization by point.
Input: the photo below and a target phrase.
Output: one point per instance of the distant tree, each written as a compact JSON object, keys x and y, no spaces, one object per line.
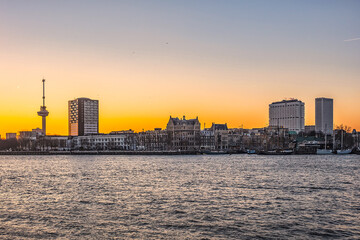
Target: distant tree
{"x":345,"y":132}
{"x":302,"y":134}
{"x":312,"y":134}
{"x":343,"y":128}
{"x":9,"y":144}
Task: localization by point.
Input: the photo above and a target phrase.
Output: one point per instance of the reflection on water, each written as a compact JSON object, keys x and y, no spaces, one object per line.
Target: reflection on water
{"x":195,"y":197}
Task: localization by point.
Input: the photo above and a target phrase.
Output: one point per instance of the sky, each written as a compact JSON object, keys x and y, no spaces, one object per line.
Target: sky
{"x":223,"y":61}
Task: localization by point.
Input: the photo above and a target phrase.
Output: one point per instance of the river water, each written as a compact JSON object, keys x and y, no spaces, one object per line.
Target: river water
{"x":180,"y":197}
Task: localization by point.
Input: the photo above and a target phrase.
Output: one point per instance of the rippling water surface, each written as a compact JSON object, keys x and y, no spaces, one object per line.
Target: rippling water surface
{"x":180,"y":197}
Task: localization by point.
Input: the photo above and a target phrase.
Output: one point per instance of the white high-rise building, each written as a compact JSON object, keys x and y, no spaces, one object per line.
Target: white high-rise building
{"x":288,"y":114}
{"x":324,"y":115}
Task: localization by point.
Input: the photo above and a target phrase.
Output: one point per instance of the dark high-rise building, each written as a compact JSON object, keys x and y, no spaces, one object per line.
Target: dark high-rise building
{"x":324,"y":115}
{"x":83,"y":117}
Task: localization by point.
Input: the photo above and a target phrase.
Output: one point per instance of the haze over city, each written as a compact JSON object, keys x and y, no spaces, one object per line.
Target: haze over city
{"x":143,"y":61}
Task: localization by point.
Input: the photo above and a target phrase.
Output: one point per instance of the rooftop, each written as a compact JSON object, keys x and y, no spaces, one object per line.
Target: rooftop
{"x":219,"y":126}
{"x":177,"y":121}
{"x":287,"y":101}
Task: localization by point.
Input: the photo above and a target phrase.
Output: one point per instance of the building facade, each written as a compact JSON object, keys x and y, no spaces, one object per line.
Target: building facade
{"x":309,"y":129}
{"x":183,"y":134}
{"x":10,"y":136}
{"x":104,"y":142}
{"x":324,"y":115}
{"x":287,"y":114}
{"x":235,"y":139}
{"x":83,"y":117}
{"x":154,"y":140}
{"x":221,"y":134}
{"x":207,"y":139}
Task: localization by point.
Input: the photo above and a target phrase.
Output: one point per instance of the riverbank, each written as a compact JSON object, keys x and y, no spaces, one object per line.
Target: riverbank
{"x":98,"y":152}
{"x":108,"y":152}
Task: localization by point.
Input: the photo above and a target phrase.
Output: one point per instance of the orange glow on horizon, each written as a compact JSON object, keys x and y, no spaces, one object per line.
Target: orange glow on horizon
{"x":57,"y":121}
{"x":142,"y":77}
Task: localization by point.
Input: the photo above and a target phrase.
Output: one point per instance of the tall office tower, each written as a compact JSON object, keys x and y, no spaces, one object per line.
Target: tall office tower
{"x":324,"y":115}
{"x":83,"y":117}
{"x":288,"y":114}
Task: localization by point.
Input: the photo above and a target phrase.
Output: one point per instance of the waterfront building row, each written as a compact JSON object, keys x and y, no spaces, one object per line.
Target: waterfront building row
{"x":180,"y":135}
{"x":216,"y":138}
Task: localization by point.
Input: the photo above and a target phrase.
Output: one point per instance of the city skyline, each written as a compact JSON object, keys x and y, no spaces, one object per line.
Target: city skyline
{"x":222,"y":62}
{"x":83,"y":117}
{"x":181,"y":119}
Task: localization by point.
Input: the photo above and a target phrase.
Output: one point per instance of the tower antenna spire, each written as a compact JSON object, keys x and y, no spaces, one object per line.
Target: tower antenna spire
{"x":43,"y":92}
{"x":43,"y":112}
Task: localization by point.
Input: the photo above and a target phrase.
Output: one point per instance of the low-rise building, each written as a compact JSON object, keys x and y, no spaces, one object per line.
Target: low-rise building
{"x":235,"y":139}
{"x":32,"y":135}
{"x":221,"y":134}
{"x":309,"y":129}
{"x":10,"y":136}
{"x":155,"y":140}
{"x":207,"y":139}
{"x":104,"y":142}
{"x":184,"y":134}
{"x":54,"y":143}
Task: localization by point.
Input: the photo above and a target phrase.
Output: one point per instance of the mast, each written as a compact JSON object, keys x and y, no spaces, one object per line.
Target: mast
{"x":43,"y":81}
{"x":325,"y":136}
{"x":278,"y":135}
{"x":342,"y":139}
{"x":325,"y":141}
{"x":43,"y":112}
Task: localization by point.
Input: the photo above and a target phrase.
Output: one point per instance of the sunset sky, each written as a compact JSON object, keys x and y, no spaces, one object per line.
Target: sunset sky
{"x":223,"y":61}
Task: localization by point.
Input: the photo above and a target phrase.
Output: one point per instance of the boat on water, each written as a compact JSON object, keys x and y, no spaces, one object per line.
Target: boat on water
{"x":277,"y":152}
{"x":324,"y":151}
{"x":357,"y":151}
{"x":344,"y":151}
{"x":287,"y":151}
{"x":251,"y":151}
{"x":215,"y":152}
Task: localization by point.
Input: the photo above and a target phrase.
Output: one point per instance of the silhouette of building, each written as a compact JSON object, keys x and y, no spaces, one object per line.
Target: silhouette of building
{"x":207,"y":139}
{"x":83,"y":117}
{"x":324,"y":115}
{"x":119,"y":141}
{"x":10,"y":136}
{"x":288,"y":114}
{"x":31,"y":134}
{"x":221,"y":133}
{"x":153,"y":140}
{"x":309,"y":128}
{"x":184,"y":134}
